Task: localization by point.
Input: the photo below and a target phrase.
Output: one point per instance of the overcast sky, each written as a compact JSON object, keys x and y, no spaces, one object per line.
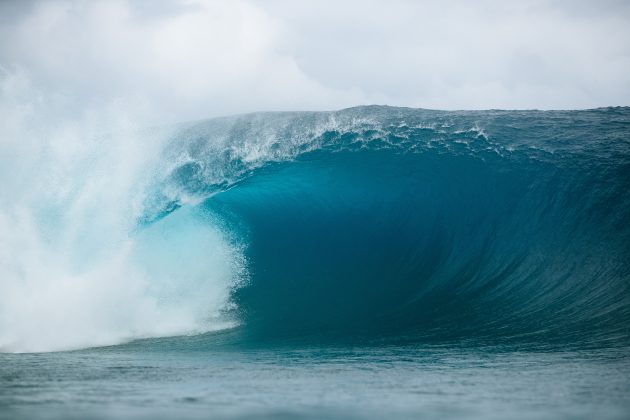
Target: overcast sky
{"x":189,"y":59}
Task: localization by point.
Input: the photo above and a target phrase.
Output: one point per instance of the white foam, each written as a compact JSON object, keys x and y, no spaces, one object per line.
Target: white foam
{"x":74,"y":272}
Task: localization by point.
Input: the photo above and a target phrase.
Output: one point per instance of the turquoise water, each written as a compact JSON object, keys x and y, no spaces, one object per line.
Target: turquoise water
{"x":366,"y":263}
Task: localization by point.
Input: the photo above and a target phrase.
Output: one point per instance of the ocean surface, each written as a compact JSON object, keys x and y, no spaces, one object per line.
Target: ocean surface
{"x":374,"y":262}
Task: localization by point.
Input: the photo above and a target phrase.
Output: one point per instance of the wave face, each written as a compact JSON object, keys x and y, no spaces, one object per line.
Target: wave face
{"x":406,"y":224}
{"x":374,"y":223}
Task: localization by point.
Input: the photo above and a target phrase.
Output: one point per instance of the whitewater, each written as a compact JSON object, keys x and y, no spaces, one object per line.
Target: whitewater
{"x":432,"y":252}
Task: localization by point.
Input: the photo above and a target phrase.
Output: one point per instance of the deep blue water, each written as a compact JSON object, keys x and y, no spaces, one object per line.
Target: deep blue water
{"x":399,"y":262}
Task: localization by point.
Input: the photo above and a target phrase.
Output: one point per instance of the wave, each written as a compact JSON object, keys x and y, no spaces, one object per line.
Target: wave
{"x":376,"y":223}
{"x":414,"y":225}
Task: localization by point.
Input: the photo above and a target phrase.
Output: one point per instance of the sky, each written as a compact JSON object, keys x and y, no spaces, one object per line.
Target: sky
{"x":181,"y":60}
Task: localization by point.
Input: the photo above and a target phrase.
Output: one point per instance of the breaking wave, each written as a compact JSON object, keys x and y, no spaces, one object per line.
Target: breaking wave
{"x":375,"y":222}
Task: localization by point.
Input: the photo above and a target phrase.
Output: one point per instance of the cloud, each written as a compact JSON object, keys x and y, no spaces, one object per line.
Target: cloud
{"x":458,"y":54}
{"x":178,"y":60}
{"x":208,"y":58}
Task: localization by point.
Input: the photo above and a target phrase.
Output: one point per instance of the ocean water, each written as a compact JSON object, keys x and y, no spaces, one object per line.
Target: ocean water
{"x":365,"y":263}
{"x":316,"y":382}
